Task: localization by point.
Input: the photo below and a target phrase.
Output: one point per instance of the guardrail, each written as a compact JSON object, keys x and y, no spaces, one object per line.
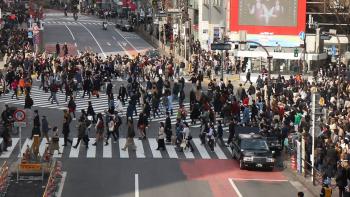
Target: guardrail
{"x":4,"y":179}
{"x":54,"y":178}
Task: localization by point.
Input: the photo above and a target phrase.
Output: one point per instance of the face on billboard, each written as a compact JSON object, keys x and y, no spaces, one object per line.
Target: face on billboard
{"x":268,"y":12}
{"x":277,"y":17}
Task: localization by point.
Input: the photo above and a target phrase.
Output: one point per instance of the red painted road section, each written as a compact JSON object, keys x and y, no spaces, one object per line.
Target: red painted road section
{"x":217,"y":173}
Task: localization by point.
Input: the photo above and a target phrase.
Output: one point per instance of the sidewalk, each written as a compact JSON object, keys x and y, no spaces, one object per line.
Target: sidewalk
{"x":304,"y":182}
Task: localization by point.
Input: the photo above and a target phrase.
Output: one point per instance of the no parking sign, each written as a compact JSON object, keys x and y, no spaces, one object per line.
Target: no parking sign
{"x":19,"y":116}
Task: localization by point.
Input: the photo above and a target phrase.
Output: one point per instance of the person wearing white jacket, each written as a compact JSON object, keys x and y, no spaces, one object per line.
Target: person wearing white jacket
{"x":161,"y":136}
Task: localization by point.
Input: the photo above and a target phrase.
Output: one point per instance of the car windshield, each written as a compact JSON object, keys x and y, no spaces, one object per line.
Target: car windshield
{"x":254,"y":144}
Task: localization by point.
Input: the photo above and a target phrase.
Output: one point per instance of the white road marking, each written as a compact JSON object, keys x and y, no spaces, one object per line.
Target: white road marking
{"x":188,"y":154}
{"x":91,"y":151}
{"x":107,"y":150}
{"x":263,"y":180}
{"x":70,"y":32}
{"x":42,"y":146}
{"x":123,"y":153}
{"x":74,"y":152}
{"x":219,"y":152}
{"x":109,"y":44}
{"x":26,"y":143}
{"x":98,"y":44}
{"x":137,"y":193}
{"x":126,"y":40}
{"x":140,"y":153}
{"x":61,"y":185}
{"x":125,"y":51}
{"x":201,"y":149}
{"x":153,"y":145}
{"x":235,"y":188}
{"x":61,"y":147}
{"x":171,"y":151}
{"x":10,"y":149}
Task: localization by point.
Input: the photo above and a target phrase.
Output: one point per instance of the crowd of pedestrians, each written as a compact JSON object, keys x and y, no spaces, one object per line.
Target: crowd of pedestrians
{"x":278,"y":107}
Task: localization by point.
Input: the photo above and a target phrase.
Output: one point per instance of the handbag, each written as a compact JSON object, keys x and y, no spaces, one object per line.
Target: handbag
{"x":9,"y":142}
{"x":183,"y":144}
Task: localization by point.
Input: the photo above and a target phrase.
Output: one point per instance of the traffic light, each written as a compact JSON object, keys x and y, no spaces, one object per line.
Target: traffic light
{"x":296,"y":52}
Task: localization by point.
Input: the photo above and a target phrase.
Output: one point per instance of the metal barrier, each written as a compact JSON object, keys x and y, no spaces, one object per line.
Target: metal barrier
{"x":52,"y":183}
{"x":4,"y":179}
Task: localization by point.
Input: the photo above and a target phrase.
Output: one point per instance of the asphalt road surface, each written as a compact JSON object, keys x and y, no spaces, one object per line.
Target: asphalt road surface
{"x":107,"y":171}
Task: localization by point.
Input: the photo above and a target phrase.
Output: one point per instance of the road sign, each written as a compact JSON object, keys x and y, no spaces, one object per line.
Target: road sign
{"x":19,"y":115}
{"x":220,"y":46}
{"x":19,"y":124}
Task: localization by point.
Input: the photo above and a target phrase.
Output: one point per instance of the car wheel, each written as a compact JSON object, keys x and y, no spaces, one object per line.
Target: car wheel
{"x":241,"y":164}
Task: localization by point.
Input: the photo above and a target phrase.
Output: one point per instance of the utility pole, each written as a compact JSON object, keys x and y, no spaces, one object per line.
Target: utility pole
{"x":223,"y":56}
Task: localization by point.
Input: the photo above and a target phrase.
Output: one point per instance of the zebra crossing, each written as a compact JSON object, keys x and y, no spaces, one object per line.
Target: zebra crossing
{"x":75,"y":23}
{"x":100,"y":104}
{"x":144,"y":149}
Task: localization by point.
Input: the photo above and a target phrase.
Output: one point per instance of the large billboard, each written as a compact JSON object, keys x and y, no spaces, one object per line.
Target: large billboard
{"x":279,"y":17}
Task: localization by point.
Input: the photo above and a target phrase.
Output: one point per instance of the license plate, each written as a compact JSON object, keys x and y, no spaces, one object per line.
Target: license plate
{"x":259,"y":165}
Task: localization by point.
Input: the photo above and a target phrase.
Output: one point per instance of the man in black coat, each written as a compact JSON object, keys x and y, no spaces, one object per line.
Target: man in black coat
{"x":168,"y":131}
{"x":122,"y":93}
{"x":87,"y":85}
{"x":232,"y":131}
{"x":341,"y":179}
{"x":36,"y":124}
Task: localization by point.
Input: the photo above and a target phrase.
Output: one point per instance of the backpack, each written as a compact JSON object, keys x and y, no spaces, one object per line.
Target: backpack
{"x":100,"y":124}
{"x":87,"y":122}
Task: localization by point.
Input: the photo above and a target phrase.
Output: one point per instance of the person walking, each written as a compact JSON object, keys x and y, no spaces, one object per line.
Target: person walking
{"x":65,"y":129}
{"x":45,"y":129}
{"x":130,"y":136}
{"x":141,"y":125}
{"x":247,"y":77}
{"x":91,"y":112}
{"x":211,"y":137}
{"x":161,"y":136}
{"x":36,"y":124}
{"x":187,"y":136}
{"x":118,"y":122}
{"x":220,"y":130}
{"x":54,"y":141}
{"x":111,"y":130}
{"x":58,"y":49}
{"x":82,"y":132}
{"x":65,"y":49}
{"x":6,"y":136}
{"x":72,"y":106}
{"x":14,"y":86}
{"x":341,"y":179}
{"x":28,"y":103}
{"x":168,"y":131}
{"x":99,"y":129}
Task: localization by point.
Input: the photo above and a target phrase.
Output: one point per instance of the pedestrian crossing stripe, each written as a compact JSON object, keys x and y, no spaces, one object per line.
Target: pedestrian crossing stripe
{"x":144,"y":149}
{"x":100,"y":104}
{"x":74,"y":23}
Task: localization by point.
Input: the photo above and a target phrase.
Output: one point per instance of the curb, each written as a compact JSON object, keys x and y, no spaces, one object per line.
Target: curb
{"x":307,"y":184}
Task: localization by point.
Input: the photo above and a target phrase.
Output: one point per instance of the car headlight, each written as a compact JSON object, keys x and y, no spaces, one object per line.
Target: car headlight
{"x":270,"y":160}
{"x":247,"y":158}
